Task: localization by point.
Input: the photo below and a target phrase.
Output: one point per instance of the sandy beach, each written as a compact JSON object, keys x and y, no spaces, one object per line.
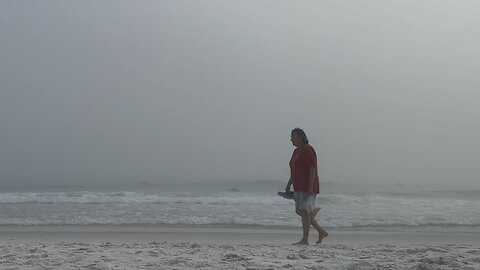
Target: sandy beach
{"x":151,"y":247}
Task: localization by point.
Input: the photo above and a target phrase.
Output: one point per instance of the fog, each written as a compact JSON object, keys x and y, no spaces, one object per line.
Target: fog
{"x":117,"y":92}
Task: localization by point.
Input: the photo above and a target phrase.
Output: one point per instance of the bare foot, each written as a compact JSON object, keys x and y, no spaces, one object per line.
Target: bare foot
{"x":315,"y":211}
{"x":321,"y":237}
{"x":301,"y":242}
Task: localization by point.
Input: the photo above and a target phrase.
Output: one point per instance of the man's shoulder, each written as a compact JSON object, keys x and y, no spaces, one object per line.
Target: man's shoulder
{"x":309,"y":148}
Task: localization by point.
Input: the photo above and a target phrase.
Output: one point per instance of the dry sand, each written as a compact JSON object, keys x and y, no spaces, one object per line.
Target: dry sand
{"x":150,"y":247}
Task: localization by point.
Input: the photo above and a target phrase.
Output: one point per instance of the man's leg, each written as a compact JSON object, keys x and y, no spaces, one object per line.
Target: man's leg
{"x":306,"y":220}
{"x":313,"y":222}
{"x":322,"y":233}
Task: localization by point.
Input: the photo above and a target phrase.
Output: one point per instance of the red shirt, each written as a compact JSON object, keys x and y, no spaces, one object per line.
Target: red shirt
{"x":303,"y":158}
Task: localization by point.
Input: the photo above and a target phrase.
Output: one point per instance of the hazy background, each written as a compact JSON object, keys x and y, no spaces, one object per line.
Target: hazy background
{"x":117,"y":92}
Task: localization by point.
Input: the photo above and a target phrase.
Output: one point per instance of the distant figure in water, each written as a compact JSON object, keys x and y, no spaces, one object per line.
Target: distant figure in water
{"x":306,"y":184}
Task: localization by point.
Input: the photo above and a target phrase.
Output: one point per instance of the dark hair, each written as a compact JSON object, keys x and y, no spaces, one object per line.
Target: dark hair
{"x":301,"y":133}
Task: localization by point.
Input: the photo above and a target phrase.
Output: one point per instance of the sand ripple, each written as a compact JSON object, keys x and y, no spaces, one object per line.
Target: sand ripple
{"x":185,"y":255}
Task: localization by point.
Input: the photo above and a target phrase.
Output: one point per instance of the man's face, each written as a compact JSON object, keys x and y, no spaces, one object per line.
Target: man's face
{"x":296,"y":139}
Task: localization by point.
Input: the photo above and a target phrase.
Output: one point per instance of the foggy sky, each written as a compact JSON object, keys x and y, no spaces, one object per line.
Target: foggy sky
{"x":159,"y":91}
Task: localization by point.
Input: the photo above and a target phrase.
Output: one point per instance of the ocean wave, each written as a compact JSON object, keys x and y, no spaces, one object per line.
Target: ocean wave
{"x":87,"y":197}
{"x":232,"y":209}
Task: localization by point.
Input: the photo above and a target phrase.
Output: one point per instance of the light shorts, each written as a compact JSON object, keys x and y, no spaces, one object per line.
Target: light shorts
{"x":304,"y":201}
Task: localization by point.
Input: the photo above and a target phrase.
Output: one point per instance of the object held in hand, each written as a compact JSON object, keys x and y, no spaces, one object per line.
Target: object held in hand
{"x":286,"y":194}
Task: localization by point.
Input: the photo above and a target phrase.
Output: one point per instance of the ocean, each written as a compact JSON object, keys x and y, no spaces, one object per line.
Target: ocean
{"x":242,"y":204}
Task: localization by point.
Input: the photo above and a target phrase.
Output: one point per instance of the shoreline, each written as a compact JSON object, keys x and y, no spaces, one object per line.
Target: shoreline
{"x":472,"y":229}
{"x":218,"y":234}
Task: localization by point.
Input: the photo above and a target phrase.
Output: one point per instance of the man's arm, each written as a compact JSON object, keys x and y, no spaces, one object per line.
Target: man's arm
{"x":289,"y":184}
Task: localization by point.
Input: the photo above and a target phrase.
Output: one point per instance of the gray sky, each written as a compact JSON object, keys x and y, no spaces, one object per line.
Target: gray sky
{"x":128,"y":91}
